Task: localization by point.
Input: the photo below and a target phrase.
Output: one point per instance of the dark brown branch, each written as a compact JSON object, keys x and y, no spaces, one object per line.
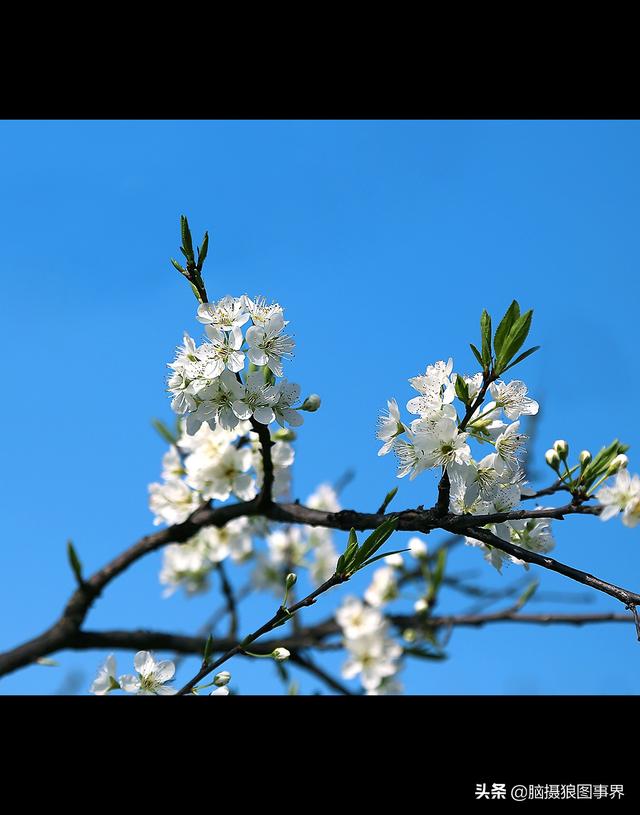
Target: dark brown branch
{"x":281,"y":616}
{"x":555,"y":487}
{"x":230,"y":599}
{"x":623,"y":595}
{"x":311,"y":667}
{"x":477,"y":620}
{"x":418,"y":520}
{"x":264,"y":499}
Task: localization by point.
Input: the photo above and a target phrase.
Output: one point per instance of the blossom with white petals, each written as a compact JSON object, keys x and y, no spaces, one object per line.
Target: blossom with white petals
{"x":622,"y":496}
{"x":261,"y":311}
{"x":223,"y":394}
{"x":383,"y":588}
{"x":106,"y":680}
{"x":222,"y":351}
{"x":357,"y":620}
{"x":227,"y":314}
{"x":257,"y":399}
{"x":417,"y":548}
{"x":172,"y":467}
{"x":288,"y":395}
{"x":172,"y":502}
{"x":324,"y":498}
{"x":508,"y":444}
{"x":151,"y":676}
{"x":228,"y":474}
{"x":512,"y":398}
{"x":373,"y":657}
{"x":389,"y":427}
{"x":268,"y":345}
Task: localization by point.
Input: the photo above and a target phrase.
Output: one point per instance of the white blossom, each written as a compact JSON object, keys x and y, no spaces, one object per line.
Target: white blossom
{"x":225,"y":475}
{"x":151,"y":678}
{"x":357,"y":619}
{"x":383,"y":588}
{"x":261,"y":312}
{"x":324,"y":498}
{"x":389,"y":426}
{"x":373,"y":657}
{"x":257,"y":399}
{"x":268,"y":345}
{"x":622,"y":496}
{"x":172,"y":502}
{"x":512,"y":398}
{"x":106,"y":680}
{"x":417,"y":548}
{"x":288,"y":395}
{"x":227,"y":314}
{"x":223,"y":394}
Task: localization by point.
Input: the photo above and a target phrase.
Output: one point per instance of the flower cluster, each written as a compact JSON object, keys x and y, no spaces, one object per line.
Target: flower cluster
{"x":373,"y":654}
{"x":439,"y":438}
{"x":213,"y":464}
{"x":206,"y":385}
{"x":306,"y":547}
{"x":151,"y":678}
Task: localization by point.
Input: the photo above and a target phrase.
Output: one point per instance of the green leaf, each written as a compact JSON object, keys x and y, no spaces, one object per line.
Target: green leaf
{"x":375,"y":540}
{"x":422,"y":653}
{"x":74,"y":561}
{"x":476,"y":354}
{"x":208,"y":647}
{"x":384,"y":554}
{"x":438,"y":574}
{"x":600,"y":463}
{"x":527,"y":594}
{"x":388,"y":499}
{"x":344,"y":561}
{"x":163,"y":431}
{"x":202,"y":253}
{"x":187,"y":244}
{"x":178,"y":267}
{"x":485,"y":333}
{"x":514,"y":341}
{"x":506,"y":324}
{"x":462,"y":390}
{"x":522,"y":356}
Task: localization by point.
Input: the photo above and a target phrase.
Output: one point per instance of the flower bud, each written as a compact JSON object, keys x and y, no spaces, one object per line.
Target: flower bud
{"x":290,"y":580}
{"x":409,"y":635}
{"x":561,"y":448}
{"x":585,"y":458}
{"x":619,"y":463}
{"x":552,"y":459}
{"x":421,"y":605}
{"x":222,"y":679}
{"x":284,"y":434}
{"x":417,"y":548}
{"x":280,"y":654}
{"x":394,"y":560}
{"x":311,"y":403}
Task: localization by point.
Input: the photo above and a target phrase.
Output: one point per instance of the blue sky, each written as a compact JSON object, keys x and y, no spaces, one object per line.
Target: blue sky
{"x":383,"y":240}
